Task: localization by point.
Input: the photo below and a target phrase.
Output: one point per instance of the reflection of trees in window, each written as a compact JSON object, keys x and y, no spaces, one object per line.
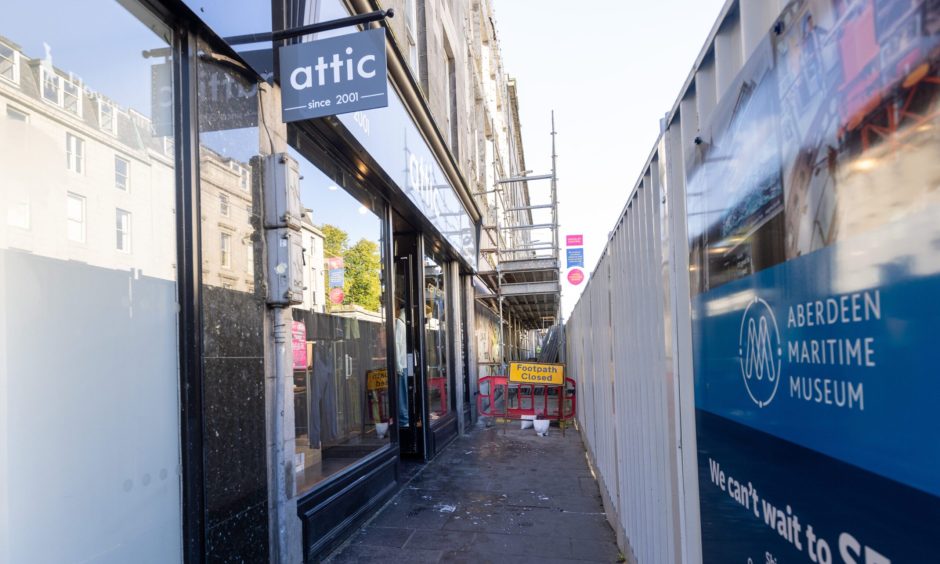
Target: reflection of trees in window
{"x":362,"y":263}
{"x":362,"y":285}
{"x":334,"y":240}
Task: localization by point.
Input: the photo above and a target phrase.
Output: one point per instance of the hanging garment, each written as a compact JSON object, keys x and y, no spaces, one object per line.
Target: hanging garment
{"x":323,"y":416}
{"x":401,"y":365}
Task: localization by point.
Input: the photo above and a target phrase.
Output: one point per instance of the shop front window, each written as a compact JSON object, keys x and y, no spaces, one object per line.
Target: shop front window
{"x":89,"y":371}
{"x":435,"y":338}
{"x":341,"y":382}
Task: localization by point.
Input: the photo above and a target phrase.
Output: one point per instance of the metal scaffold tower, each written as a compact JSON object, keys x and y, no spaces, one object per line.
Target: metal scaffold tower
{"x":524,"y":253}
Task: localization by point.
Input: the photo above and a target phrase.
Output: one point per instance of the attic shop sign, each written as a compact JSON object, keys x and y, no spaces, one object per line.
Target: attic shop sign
{"x":334,"y":76}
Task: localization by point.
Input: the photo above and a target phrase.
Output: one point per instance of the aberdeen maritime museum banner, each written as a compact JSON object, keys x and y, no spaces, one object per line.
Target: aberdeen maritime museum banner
{"x":814,"y":196}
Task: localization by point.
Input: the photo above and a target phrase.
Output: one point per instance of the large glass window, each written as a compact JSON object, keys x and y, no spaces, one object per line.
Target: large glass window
{"x":89,"y":377}
{"x":341,"y":381}
{"x":435,"y":338}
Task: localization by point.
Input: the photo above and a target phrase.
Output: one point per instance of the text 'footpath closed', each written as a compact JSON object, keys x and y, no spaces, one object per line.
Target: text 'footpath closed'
{"x":537,"y":373}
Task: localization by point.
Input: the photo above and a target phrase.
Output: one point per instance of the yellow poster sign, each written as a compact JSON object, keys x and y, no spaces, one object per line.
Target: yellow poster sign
{"x":537,"y":373}
{"x":376,"y":380}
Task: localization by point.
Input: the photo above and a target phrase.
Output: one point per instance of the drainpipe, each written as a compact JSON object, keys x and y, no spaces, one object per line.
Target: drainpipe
{"x":282,"y":471}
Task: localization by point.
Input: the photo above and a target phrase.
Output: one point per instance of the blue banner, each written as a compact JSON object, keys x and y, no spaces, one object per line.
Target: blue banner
{"x":337,"y":277}
{"x":816,"y":389}
{"x":575,"y":257}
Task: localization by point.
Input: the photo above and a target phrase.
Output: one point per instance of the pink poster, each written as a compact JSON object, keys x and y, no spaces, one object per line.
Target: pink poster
{"x":299,"y":344}
{"x":574,"y":240}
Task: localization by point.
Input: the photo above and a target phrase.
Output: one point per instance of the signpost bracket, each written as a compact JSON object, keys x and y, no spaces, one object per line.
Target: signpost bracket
{"x":292,"y":33}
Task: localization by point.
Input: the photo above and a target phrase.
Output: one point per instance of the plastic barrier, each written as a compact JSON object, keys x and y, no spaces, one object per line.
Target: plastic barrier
{"x":499,"y":398}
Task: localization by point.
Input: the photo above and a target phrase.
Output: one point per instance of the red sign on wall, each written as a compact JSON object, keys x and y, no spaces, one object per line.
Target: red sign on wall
{"x":574,"y":240}
{"x":576,"y":276}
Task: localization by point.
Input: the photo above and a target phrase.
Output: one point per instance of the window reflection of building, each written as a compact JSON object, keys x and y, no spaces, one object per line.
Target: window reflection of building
{"x":859,"y":102}
{"x":314,"y":281}
{"x":226,"y":217}
{"x":88,"y":280}
{"x":68,"y":173}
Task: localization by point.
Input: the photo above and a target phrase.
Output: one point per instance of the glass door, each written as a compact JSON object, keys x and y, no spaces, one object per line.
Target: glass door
{"x":407,"y":384}
{"x":439,"y":381}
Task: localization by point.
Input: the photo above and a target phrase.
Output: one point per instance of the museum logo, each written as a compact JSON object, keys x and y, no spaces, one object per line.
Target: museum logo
{"x":760,"y":352}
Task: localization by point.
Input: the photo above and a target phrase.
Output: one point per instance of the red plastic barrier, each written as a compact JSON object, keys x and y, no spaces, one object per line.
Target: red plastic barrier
{"x":500,"y":398}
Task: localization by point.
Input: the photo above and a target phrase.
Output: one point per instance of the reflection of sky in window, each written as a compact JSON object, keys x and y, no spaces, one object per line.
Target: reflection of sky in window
{"x":335,"y":207}
{"x":114,"y":68}
{"x":238,"y":144}
{"x":233,"y":17}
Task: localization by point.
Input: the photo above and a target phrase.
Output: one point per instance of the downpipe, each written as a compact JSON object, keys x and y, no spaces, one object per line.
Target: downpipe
{"x":281,"y":469}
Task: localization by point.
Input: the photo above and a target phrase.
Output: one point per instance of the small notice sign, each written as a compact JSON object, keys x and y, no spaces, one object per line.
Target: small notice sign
{"x":574,"y":240}
{"x":377,"y":379}
{"x":538,"y":373}
{"x":575,"y":257}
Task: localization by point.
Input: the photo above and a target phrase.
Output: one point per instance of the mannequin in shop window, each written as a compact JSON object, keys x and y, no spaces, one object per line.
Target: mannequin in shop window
{"x":401,"y":365}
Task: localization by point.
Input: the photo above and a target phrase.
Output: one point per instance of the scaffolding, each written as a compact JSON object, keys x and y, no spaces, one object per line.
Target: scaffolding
{"x":524,"y":259}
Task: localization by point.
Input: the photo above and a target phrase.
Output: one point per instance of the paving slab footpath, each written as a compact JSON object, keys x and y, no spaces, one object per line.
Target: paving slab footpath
{"x":496,"y":495}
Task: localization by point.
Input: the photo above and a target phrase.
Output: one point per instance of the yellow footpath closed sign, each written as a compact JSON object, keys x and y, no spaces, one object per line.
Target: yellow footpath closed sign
{"x":376,"y":380}
{"x":537,"y":373}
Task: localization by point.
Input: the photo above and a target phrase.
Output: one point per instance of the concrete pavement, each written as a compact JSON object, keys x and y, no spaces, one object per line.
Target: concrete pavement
{"x":496,"y":495}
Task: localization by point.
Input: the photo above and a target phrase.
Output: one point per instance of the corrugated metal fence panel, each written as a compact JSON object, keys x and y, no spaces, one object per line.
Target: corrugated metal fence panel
{"x":617,"y":355}
{"x":629,"y":336}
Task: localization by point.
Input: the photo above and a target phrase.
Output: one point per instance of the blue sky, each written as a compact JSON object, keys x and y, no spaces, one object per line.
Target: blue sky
{"x":610,"y":70}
